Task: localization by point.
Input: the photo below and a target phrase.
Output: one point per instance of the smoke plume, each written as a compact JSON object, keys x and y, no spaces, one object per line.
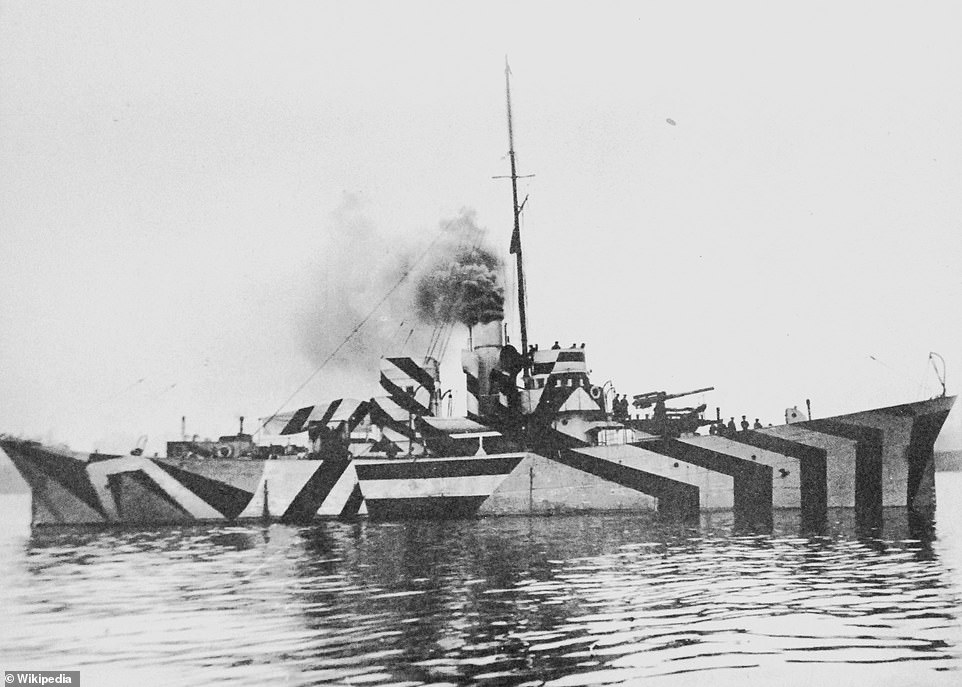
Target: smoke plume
{"x":462,"y":286}
{"x":411,"y":284}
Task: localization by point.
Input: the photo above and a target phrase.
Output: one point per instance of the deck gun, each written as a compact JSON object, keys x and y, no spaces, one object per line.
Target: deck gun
{"x":669,"y":421}
{"x":653,"y":398}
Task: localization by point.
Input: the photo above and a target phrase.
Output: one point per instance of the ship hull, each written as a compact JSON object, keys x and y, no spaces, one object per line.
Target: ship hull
{"x":90,"y":489}
{"x":865,"y":461}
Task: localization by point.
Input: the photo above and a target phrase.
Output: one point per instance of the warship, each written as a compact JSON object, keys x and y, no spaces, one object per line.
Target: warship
{"x":538,"y":437}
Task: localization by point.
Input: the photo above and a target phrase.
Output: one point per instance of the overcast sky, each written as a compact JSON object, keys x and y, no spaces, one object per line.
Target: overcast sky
{"x":763,"y":197}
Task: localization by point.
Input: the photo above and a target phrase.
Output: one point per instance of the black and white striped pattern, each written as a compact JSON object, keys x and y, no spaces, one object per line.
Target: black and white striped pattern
{"x":332,"y":415}
{"x":866,"y":461}
{"x":561,"y":384}
{"x":431,"y":487}
{"x":410,"y":385}
{"x":70,"y":489}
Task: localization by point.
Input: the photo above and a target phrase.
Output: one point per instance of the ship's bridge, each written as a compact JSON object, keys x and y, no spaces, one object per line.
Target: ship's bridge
{"x":559,"y":383}
{"x":557,"y":365}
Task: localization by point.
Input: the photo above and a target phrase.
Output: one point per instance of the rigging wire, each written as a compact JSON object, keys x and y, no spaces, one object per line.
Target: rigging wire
{"x":395,"y":336}
{"x":358,"y":326}
{"x":905,"y":376}
{"x":939,"y":375}
{"x":118,"y":394}
{"x":447,"y":340}
{"x":410,"y":334}
{"x":435,"y":349}
{"x":435,"y":335}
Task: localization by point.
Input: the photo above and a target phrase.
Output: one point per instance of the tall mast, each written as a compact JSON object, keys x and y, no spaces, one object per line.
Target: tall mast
{"x":516,"y":235}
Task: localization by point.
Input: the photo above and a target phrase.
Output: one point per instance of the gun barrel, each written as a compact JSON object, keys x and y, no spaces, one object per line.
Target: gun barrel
{"x":653,"y":396}
{"x":689,"y":393}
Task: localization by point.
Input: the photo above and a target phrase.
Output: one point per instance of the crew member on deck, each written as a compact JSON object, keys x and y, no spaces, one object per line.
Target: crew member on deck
{"x":659,"y":411}
{"x":556,"y":346}
{"x":621,"y":407}
{"x":731,"y":426}
{"x":757,"y":425}
{"x":744,"y":423}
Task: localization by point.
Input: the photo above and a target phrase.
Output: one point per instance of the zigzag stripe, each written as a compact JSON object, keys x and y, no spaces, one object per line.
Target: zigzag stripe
{"x":37,"y":465}
{"x":752,"y":481}
{"x":550,"y":402}
{"x":353,"y":504}
{"x":296,"y":424}
{"x":812,"y":468}
{"x":227,"y":499}
{"x":868,"y":463}
{"x":561,"y":355}
{"x":673,"y":496}
{"x":140,"y":499}
{"x":380,"y":416}
{"x":403,"y":398}
{"x":414,"y":371}
{"x":333,"y":412}
{"x":358,"y":415}
{"x":434,"y":468}
{"x":564,"y":360}
{"x":925,"y":430}
{"x":329,"y":413}
{"x":309,"y":499}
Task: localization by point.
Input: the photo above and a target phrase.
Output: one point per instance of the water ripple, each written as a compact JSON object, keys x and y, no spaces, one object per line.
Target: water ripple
{"x":561,"y":601}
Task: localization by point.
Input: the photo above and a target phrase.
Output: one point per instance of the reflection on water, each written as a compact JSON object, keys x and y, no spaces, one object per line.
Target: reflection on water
{"x":566,"y":600}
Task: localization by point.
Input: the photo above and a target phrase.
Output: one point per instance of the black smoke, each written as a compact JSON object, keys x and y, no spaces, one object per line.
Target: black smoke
{"x":401,"y":285}
{"x":462,"y":286}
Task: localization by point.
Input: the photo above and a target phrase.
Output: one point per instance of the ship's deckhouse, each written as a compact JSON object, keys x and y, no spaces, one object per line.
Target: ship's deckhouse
{"x":556,"y":361}
{"x":560,"y":374}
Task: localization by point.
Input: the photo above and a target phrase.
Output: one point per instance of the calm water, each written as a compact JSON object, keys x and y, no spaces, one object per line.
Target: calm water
{"x":564,"y":601}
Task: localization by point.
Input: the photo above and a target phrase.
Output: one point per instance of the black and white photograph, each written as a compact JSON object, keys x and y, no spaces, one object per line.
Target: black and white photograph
{"x":522,"y":344}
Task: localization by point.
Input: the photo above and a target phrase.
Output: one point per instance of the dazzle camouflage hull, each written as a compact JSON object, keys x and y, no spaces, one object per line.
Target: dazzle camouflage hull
{"x":538,"y":437}
{"x":866,"y":461}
